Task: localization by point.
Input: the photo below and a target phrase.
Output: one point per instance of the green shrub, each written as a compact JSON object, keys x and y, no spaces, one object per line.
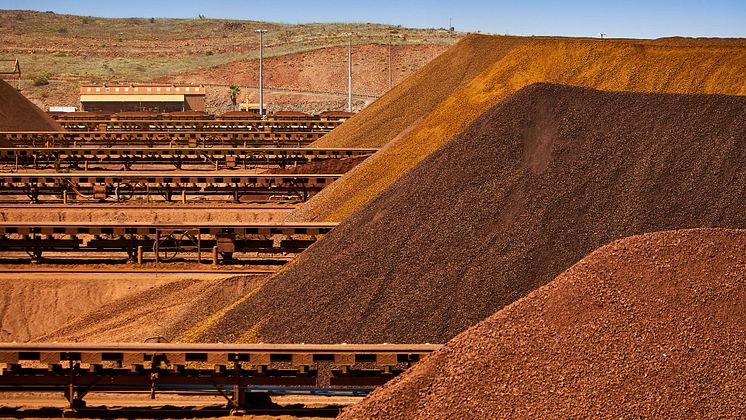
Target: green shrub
{"x":41,"y":81}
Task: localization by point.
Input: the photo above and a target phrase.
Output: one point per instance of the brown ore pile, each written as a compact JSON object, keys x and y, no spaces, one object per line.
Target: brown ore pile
{"x":530,"y":188}
{"x":18,"y":113}
{"x":650,"y":326}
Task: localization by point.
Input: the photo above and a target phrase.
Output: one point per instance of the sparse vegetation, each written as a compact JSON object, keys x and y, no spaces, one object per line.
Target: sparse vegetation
{"x":42,"y":80}
{"x":141,"y":50}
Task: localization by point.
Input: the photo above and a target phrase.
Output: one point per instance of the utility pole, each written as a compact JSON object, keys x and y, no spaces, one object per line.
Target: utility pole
{"x":349,"y":73}
{"x":391,"y":71}
{"x":261,"y":81}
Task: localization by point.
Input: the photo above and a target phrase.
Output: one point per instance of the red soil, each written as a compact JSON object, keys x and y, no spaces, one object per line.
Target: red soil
{"x":648,"y":326}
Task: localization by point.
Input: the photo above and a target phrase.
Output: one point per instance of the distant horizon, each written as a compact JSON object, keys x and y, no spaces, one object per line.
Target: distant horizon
{"x":577,"y":18}
{"x":370,"y":23}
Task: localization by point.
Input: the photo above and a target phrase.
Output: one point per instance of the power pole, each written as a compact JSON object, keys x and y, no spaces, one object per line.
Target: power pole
{"x":261,"y":81}
{"x":391,"y":71}
{"x":349,"y":73}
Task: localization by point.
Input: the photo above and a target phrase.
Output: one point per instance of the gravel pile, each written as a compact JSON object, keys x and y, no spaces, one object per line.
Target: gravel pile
{"x":18,"y":113}
{"x":650,"y":326}
{"x":412,"y":132}
{"x":535,"y":184}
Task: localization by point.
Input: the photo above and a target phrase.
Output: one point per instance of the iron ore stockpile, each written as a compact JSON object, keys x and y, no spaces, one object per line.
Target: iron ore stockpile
{"x":425,"y":111}
{"x":545,"y":227}
{"x":651,"y":326}
{"x":18,"y":114}
{"x":535,"y":184}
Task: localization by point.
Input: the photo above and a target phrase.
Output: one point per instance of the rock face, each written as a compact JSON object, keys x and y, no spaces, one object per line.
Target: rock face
{"x":18,"y":113}
{"x":533,"y":186}
{"x":648,"y":326}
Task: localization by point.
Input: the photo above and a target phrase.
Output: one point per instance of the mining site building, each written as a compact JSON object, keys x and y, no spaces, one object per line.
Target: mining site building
{"x":158,"y":98}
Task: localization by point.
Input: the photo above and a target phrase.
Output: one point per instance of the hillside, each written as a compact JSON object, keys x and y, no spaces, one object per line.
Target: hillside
{"x":75,"y":49}
{"x":411,"y":132}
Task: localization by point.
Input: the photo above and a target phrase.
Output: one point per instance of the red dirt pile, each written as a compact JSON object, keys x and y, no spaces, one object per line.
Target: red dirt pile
{"x":429,"y":109}
{"x":18,"y":113}
{"x":535,"y":184}
{"x":650,"y":326}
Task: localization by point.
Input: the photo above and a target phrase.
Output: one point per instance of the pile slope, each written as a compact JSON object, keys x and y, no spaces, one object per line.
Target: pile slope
{"x":531,"y":187}
{"x":37,"y":304}
{"x":18,"y":114}
{"x":648,"y":326}
{"x":664,"y":66}
{"x":177,"y":310}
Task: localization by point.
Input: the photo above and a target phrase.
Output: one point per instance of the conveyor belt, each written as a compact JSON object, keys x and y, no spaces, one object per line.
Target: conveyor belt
{"x":264,"y":138}
{"x":302,"y":125}
{"x":126,"y":186}
{"x":214,"y":157}
{"x":228,"y":369}
{"x":161,"y":242}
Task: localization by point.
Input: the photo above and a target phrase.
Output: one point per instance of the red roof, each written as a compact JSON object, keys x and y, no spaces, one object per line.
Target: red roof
{"x":79,"y":115}
{"x":136,"y":114}
{"x":240,"y":114}
{"x":290,"y":114}
{"x":337,"y":114}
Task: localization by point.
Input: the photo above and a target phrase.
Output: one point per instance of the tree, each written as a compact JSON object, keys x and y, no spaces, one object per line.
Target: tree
{"x":234,"y":91}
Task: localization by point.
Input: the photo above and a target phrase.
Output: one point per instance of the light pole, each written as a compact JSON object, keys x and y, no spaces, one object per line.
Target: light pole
{"x":349,"y":73}
{"x":391,"y":71}
{"x":261,"y":82}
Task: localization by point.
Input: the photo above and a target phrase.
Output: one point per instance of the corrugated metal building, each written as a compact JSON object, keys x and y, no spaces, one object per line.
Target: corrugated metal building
{"x":157,"y":98}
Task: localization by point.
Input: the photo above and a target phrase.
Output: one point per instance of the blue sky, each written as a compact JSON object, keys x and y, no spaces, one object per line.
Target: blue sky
{"x":633,"y":18}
